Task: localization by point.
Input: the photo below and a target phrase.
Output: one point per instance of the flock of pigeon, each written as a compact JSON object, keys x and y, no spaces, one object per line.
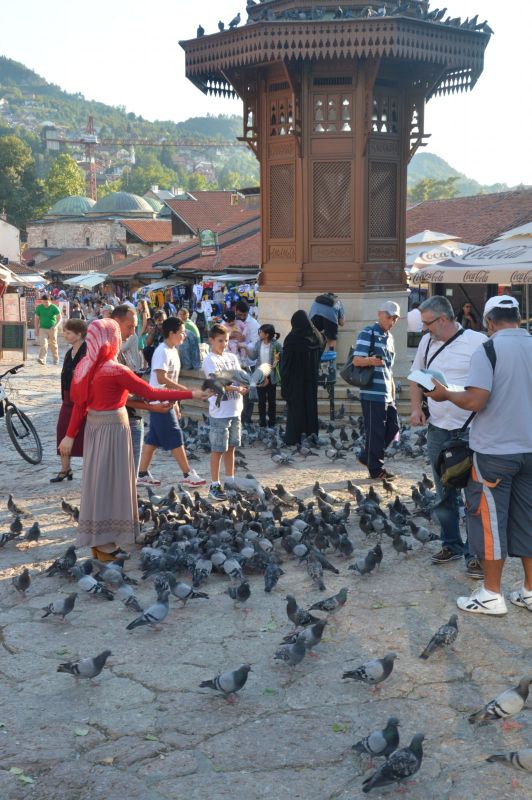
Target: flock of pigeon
{"x":411,"y":8}
{"x":187,"y":541}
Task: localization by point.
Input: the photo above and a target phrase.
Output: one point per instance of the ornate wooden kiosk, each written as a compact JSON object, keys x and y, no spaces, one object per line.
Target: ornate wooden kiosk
{"x":334,"y":102}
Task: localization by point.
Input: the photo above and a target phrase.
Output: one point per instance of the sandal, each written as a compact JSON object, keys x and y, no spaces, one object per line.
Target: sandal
{"x":60,"y":477}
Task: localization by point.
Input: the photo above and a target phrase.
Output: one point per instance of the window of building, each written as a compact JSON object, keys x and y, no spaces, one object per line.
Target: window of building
{"x":333,"y":113}
{"x":87,"y":241}
{"x":46,"y":242}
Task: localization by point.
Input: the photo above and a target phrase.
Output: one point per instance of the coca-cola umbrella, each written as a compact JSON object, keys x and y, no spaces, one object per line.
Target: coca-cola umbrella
{"x":503,"y":262}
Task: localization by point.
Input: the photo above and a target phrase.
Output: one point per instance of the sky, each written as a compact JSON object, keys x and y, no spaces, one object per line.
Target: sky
{"x":126,"y":52}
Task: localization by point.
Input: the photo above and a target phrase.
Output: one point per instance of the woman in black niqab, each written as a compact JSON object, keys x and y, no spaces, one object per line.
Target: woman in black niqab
{"x":300,"y":363}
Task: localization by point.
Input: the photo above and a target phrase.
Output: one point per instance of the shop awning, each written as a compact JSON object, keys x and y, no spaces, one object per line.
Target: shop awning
{"x":501,"y":262}
{"x":89,"y":280}
{"x":421,"y":257}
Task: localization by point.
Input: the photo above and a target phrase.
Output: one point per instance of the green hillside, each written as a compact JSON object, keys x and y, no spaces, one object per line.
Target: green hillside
{"x":429,"y":165}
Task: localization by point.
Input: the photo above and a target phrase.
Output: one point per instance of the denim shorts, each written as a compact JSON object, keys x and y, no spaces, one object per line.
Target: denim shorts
{"x":224,"y":433}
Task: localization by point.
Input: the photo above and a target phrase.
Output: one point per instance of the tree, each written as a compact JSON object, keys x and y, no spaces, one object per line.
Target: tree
{"x":433,"y":189}
{"x":228,"y":179}
{"x":107,"y":188}
{"x":64,"y":179}
{"x":20,"y":192}
{"x":197,"y":182}
{"x":147,"y":173}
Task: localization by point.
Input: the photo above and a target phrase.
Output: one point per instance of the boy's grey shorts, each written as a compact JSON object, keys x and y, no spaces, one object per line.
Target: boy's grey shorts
{"x":224,"y":433}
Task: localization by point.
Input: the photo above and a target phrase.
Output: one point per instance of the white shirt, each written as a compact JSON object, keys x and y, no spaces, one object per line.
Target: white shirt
{"x":454,"y":362}
{"x":251,"y":336}
{"x":198,"y":291}
{"x":232,"y":407}
{"x":414,"y":322}
{"x":264,"y":355}
{"x":167,"y":359}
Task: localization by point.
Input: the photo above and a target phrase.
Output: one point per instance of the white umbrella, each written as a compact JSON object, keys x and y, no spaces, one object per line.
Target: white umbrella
{"x":502,"y":262}
{"x":521,"y":231}
{"x":426,"y":256}
{"x":428,"y":236}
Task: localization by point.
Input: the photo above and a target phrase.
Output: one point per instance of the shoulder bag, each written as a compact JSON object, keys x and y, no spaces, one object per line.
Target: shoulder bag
{"x":358,"y":376}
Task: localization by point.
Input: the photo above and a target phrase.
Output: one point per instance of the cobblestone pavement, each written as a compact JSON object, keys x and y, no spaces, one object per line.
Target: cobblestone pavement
{"x":149,"y":732}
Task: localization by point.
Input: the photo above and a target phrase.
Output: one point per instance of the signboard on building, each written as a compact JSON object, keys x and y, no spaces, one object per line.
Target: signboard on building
{"x":208,"y":242}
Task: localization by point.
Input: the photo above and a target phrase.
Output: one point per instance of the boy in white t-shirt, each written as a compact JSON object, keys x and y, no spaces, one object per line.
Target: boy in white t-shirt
{"x":164,"y":428}
{"x":224,"y":420}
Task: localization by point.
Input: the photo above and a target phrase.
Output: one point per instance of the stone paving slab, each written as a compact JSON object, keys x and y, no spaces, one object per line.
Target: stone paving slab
{"x":149,"y":732}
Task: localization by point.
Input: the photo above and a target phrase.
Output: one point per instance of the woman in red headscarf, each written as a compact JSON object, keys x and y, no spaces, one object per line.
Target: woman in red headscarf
{"x":108,"y":517}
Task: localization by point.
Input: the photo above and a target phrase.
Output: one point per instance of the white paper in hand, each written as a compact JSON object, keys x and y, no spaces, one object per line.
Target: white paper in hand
{"x":423,"y":378}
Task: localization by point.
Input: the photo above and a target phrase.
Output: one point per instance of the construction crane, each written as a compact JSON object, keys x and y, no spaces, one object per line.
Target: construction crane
{"x":90,"y":141}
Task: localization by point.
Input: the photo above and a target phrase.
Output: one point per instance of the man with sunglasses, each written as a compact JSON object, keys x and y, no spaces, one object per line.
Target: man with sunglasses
{"x":446,"y":347}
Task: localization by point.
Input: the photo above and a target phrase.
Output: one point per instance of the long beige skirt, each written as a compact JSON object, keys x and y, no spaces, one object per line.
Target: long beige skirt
{"x":108,"y":509}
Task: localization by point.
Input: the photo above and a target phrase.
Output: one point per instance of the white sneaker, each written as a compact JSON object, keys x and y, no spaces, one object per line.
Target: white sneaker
{"x":193,"y":479}
{"x":482,"y":601}
{"x":522,"y":597}
{"x":148,"y":480}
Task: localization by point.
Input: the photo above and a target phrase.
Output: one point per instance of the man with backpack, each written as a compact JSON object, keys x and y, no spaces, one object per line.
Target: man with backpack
{"x":326,"y":314}
{"x":499,"y":490}
{"x":448,"y":348}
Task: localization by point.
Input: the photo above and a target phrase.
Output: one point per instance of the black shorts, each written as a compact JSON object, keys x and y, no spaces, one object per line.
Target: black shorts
{"x":330,"y":329}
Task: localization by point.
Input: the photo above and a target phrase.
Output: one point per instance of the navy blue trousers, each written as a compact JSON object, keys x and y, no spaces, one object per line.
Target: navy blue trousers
{"x":381,"y":425}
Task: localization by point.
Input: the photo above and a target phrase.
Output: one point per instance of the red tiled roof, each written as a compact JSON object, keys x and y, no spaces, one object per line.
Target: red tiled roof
{"x":77,"y":261}
{"x":141,"y":266}
{"x":475,"y":220}
{"x":212,"y":210}
{"x":150,"y":230}
{"x":239,"y":246}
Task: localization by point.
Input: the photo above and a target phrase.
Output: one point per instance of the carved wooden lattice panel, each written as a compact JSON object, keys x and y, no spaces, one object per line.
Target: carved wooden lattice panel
{"x":382,"y":200}
{"x":281,"y":201}
{"x":332,"y":200}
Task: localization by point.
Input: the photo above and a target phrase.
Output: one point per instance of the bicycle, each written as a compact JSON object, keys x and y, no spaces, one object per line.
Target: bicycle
{"x":19,"y":426}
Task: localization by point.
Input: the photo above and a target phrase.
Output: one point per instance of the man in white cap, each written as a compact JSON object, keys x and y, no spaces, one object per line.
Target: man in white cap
{"x":499,"y":491}
{"x":375,"y":348}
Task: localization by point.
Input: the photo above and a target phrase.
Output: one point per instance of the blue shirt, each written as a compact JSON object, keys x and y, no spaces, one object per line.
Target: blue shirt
{"x":380,"y":388}
{"x":332,"y":313}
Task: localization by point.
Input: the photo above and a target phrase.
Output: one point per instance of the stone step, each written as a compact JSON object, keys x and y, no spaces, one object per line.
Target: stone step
{"x":193,"y":379}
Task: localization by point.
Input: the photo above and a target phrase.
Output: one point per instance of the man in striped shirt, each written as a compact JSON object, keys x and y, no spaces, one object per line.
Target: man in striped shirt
{"x":375,"y":347}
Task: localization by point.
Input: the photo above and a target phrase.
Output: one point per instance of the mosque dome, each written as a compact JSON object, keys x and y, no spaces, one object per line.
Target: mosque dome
{"x":155,"y":204}
{"x":72,"y":206}
{"x":122,"y":203}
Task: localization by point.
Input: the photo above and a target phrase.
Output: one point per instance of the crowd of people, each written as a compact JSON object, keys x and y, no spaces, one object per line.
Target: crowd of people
{"x":104,"y":395}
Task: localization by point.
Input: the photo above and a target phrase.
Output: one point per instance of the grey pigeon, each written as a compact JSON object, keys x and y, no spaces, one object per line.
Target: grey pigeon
{"x":16,"y":526}
{"x":22,"y":581}
{"x":374,"y":671}
{"x":86,"y":667}
{"x":89,"y":584}
{"x":60,"y":607}
{"x":272,"y":573}
{"x":240,"y":593}
{"x":505,"y":705}
{"x":180,"y":589}
{"x":331,"y":604}
{"x":444,"y":636}
{"x":364,"y":565}
{"x":126,"y":595}
{"x":33,"y":533}
{"x":380,"y":743}
{"x":15,"y":509}
{"x":63,"y":564}
{"x":401,"y":765}
{"x":400,"y":545}
{"x":299,"y":616}
{"x":152,"y":615}
{"x":310,"y":636}
{"x":315,"y":572}
{"x":520,"y":759}
{"x":292,"y":654}
{"x":228,"y":682}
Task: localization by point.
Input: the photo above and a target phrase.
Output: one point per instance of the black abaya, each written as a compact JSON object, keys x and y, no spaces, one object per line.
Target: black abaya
{"x":299,"y":377}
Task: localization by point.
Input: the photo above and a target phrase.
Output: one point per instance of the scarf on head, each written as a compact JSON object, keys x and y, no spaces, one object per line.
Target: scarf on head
{"x":304,"y":336}
{"x":103,"y":344}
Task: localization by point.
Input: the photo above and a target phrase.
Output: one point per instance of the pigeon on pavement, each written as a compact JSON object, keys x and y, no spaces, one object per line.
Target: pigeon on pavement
{"x":401,"y":765}
{"x":520,"y":759}
{"x":272,"y":573}
{"x":293,"y":654}
{"x":228,"y":682}
{"x":374,"y":671}
{"x":60,"y":607}
{"x":86,"y":667}
{"x":505,"y":705}
{"x":22,"y":581}
{"x":365,"y":564}
{"x":299,"y":616}
{"x":310,"y":636}
{"x":240,"y":593}
{"x":89,"y":584}
{"x":380,"y":743}
{"x":33,"y":533}
{"x":444,"y":637}
{"x":63,"y":564}
{"x":153,"y":615}
{"x":331,"y":604}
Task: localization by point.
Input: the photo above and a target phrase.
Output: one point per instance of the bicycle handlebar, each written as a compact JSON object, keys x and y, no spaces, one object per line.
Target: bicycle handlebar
{"x":11,"y":371}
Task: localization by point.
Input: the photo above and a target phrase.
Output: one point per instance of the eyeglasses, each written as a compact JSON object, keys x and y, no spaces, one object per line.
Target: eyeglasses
{"x":428,"y":323}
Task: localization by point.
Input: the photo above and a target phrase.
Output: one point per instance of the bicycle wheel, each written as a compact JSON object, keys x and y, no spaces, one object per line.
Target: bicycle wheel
{"x":23,"y":435}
